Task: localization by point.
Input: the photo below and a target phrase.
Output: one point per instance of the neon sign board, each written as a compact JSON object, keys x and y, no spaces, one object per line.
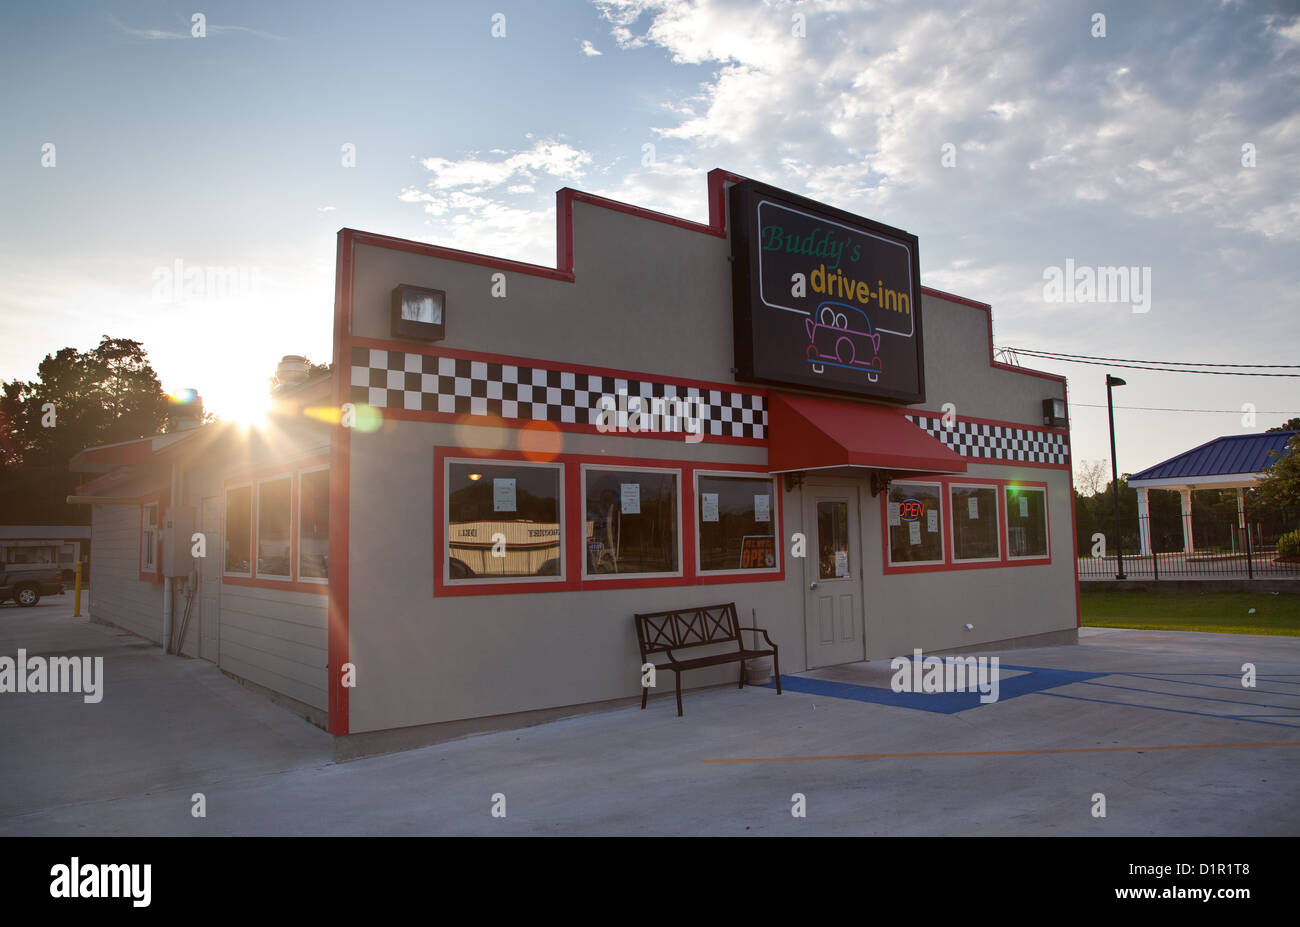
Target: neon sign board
{"x":911,"y":509}
{"x":823,"y":298}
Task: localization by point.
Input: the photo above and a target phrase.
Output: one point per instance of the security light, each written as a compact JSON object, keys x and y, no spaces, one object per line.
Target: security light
{"x":419,"y":313}
{"x":1054,"y":413}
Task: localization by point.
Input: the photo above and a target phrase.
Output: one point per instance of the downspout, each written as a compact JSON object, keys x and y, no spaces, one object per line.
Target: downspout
{"x":167,"y":580}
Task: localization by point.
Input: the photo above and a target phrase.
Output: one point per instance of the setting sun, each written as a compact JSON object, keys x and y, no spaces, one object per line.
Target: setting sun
{"x":246,"y":403}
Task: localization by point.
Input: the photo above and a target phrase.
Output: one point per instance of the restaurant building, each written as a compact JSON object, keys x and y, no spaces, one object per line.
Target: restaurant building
{"x":767,"y":409}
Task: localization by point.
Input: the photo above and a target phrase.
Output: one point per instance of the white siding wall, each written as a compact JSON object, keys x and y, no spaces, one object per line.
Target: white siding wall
{"x":116,"y":593}
{"x":276,"y":639}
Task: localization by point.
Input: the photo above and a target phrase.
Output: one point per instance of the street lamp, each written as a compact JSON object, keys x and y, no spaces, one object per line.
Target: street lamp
{"x":1114,"y":471}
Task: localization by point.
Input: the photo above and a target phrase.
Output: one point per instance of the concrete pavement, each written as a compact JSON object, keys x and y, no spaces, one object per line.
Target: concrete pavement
{"x":168,"y":728}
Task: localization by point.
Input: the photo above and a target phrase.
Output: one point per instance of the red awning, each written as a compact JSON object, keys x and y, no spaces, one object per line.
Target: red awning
{"x":809,"y":433}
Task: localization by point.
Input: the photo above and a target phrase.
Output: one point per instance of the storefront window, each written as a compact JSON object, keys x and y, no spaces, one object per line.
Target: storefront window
{"x":915,"y":526}
{"x":314,"y":524}
{"x":273,"y":557}
{"x":631,"y":522}
{"x":1026,"y":521}
{"x":974,"y":522}
{"x":239,"y":529}
{"x":503,"y":521}
{"x":737,"y":523}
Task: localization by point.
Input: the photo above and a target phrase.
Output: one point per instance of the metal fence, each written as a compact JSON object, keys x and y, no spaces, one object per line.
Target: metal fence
{"x":1223,"y":544}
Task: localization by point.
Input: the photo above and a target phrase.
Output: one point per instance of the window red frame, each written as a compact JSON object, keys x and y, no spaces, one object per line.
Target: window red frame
{"x":950,"y":563}
{"x":254,"y":478}
{"x":573,"y":518}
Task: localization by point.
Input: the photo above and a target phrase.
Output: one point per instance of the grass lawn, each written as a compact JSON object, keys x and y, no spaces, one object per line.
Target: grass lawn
{"x":1221,"y":612}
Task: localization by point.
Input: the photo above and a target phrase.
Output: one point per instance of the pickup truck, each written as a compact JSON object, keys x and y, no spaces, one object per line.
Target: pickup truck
{"x":26,"y":584}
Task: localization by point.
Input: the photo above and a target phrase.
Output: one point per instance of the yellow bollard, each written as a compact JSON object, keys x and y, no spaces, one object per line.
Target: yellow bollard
{"x":76,"y":599}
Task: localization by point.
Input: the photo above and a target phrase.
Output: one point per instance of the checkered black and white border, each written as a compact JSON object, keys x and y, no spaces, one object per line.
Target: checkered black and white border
{"x":437,"y":383}
{"x":997,"y":442}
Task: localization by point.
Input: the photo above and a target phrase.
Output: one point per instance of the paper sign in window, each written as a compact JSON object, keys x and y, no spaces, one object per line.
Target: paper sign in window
{"x":762,"y":508}
{"x":973,"y":506}
{"x":914,"y":532}
{"x":630,"y":498}
{"x":893,"y":515}
{"x":1024,"y":506}
{"x":841,"y":563}
{"x":932,"y":521}
{"x":503,"y":494}
{"x":709,"y":506}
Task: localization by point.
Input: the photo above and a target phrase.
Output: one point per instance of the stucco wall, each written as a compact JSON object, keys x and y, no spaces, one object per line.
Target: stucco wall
{"x":422,"y":659}
{"x":930,"y":609}
{"x":660,"y":316}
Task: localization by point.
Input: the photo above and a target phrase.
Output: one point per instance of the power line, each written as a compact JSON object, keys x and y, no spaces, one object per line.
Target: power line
{"x":1111,"y":363}
{"x":1132,"y":360}
{"x":1102,"y":405}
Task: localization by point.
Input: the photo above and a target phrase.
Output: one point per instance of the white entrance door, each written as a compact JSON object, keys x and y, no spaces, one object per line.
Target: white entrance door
{"x":210,"y":581}
{"x":833,"y":618}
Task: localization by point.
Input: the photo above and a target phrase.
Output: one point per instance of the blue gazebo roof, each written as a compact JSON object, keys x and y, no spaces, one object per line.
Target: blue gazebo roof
{"x":1230,"y":455}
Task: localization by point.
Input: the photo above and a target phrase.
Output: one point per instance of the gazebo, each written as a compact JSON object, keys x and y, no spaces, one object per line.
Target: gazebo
{"x":1231,"y":462}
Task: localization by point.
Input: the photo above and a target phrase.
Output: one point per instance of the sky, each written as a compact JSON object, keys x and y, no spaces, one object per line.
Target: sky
{"x":1012,"y":138}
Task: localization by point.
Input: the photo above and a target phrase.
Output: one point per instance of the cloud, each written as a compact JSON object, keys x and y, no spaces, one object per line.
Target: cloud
{"x":211,"y":30}
{"x":590,"y":50}
{"x":856,"y":110}
{"x":546,"y":156}
{"x":463,"y":198}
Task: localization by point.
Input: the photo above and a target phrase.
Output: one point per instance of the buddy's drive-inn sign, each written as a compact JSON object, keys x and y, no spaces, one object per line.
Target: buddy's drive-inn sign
{"x":824,"y":299}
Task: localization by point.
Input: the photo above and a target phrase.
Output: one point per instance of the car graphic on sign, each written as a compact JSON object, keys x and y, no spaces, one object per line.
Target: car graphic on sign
{"x":840,"y":335}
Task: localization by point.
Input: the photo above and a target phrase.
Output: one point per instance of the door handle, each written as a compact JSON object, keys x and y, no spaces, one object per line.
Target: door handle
{"x":812,"y":585}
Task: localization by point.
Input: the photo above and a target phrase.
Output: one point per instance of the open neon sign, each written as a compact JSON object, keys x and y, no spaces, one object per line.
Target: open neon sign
{"x":911,"y":509}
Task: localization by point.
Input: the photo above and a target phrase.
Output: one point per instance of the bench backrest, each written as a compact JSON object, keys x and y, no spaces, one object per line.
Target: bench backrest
{"x":687,"y":627}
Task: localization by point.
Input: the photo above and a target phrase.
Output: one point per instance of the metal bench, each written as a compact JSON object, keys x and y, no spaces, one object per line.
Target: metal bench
{"x":681,"y":629}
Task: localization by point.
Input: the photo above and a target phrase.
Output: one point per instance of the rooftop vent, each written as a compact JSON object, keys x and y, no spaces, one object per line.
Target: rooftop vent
{"x":291,"y":370}
{"x":184,"y":410}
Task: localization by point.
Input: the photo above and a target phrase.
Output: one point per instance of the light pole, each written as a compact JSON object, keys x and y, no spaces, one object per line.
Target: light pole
{"x":1114,"y":471}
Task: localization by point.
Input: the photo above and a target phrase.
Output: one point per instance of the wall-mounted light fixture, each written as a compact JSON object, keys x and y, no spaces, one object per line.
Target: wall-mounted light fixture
{"x":419,"y":313}
{"x":1054,"y":413}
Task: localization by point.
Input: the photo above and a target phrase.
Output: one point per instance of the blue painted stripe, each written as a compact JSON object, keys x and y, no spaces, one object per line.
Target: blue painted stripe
{"x":1237,"y":688}
{"x":1035,"y":680}
{"x":1198,"y":698}
{"x":1177,"y":711}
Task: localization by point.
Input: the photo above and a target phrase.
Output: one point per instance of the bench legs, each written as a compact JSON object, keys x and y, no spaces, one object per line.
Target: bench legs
{"x":677,"y":679}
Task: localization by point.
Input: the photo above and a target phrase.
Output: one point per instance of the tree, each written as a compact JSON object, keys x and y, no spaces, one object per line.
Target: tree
{"x":1280,"y":485}
{"x":1091,"y":477}
{"x":78,"y":400}
{"x":1292,"y":424}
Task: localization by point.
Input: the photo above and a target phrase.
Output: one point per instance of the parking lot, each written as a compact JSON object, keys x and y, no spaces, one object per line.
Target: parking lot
{"x":1157,"y":723}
